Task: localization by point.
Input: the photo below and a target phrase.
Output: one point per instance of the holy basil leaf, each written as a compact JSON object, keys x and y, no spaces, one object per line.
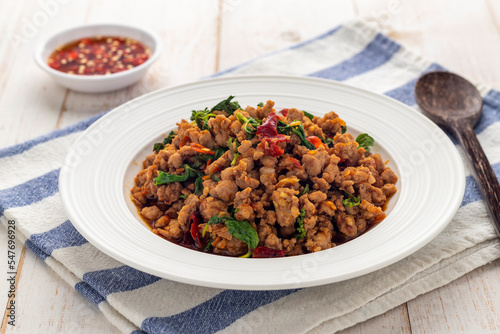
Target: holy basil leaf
{"x":198,"y":186}
{"x":261,"y":104}
{"x":201,"y":118}
{"x":236,"y":156}
{"x":164,"y":178}
{"x":328,"y":141}
{"x":249,"y":124}
{"x":283,"y":128}
{"x":243,"y":231}
{"x":308,"y":115}
{"x":157,"y":147}
{"x":227,"y":106}
{"x":214,"y":220}
{"x":297,"y":128}
{"x":218,"y":153}
{"x":343,"y":129}
{"x":305,"y":191}
{"x":300,"y":230}
{"x":299,"y":132}
{"x":365,"y":141}
{"x":208,"y":157}
{"x":169,"y":138}
{"x":351,"y":200}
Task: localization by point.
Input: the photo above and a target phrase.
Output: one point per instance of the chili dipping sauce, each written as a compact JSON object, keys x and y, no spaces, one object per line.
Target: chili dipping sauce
{"x":99,"y":55}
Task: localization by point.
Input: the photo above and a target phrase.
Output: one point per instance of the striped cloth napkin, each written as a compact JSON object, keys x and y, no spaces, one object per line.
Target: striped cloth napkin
{"x":137,"y":302}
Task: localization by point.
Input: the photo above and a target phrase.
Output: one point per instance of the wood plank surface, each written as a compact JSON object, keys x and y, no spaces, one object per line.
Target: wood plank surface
{"x":200,"y":38}
{"x":274,"y":25}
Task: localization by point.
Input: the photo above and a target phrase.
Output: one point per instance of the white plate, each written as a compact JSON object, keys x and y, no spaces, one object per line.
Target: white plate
{"x":98,"y":173}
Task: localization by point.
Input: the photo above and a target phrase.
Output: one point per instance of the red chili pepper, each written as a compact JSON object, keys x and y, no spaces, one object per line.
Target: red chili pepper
{"x":265,"y":252}
{"x":296,"y":162}
{"x":269,"y":127}
{"x":184,"y":141}
{"x":284,"y":112}
{"x":194,"y":221}
{"x":201,"y":149}
{"x":272,"y":148}
{"x":192,"y":234}
{"x":316,"y":141}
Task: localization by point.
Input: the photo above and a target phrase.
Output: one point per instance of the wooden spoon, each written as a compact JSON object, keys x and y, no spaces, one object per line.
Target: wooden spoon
{"x":455,"y":104}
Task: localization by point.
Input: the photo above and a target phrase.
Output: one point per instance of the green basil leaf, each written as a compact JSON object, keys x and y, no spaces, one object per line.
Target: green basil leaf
{"x":249,"y":124}
{"x":351,"y":200}
{"x":343,"y":129}
{"x":328,"y":141}
{"x":227,"y":106}
{"x":214,"y":220}
{"x":236,"y":156}
{"x":201,"y":118}
{"x":364,"y":140}
{"x":299,"y":132}
{"x":198,"y":186}
{"x":164,"y":178}
{"x":218,"y":153}
{"x":308,"y":115}
{"x":283,"y":128}
{"x":300,"y":230}
{"x":157,"y":147}
{"x":305,"y":191}
{"x":243,"y":231}
{"x":169,"y":138}
{"x":261,"y":104}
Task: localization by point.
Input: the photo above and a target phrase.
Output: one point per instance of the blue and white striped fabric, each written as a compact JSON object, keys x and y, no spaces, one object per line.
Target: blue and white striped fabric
{"x":137,"y":302}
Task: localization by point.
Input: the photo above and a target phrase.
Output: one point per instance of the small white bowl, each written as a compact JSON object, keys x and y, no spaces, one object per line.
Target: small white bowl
{"x":98,"y":83}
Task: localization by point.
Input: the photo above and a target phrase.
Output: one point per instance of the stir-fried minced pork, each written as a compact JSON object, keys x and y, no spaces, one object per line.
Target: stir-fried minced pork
{"x":256,"y":182}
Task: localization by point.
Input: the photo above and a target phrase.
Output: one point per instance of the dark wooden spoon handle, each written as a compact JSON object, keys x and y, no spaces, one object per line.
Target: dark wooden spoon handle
{"x":488,"y":182}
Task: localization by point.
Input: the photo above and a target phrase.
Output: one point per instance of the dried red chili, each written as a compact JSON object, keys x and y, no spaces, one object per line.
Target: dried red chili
{"x":265,"y":252}
{"x":269,"y":128}
{"x":284,"y":112}
{"x":99,"y":55}
{"x":192,"y":235}
{"x":296,"y":163}
{"x":272,"y":148}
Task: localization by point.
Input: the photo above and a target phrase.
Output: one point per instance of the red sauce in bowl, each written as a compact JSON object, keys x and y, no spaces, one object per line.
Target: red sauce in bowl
{"x":99,"y":55}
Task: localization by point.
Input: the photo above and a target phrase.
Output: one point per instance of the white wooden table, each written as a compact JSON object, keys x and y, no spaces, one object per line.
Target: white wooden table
{"x":200,"y":38}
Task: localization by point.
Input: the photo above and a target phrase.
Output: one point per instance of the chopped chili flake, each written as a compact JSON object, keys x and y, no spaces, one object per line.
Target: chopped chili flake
{"x":296,"y":162}
{"x":201,"y":149}
{"x":99,"y":55}
{"x":316,"y":141}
